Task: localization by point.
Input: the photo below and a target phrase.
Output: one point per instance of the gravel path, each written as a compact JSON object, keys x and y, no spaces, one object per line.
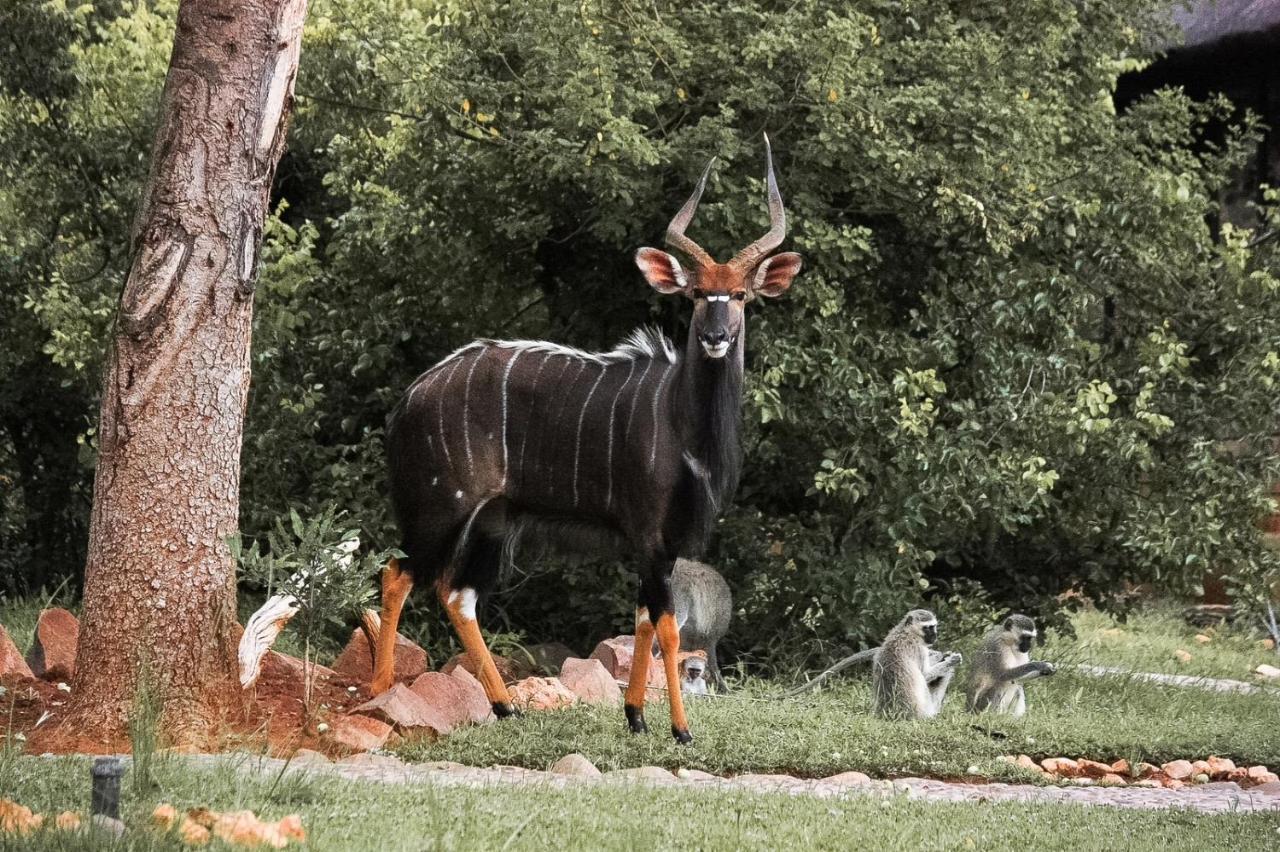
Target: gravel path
{"x":1212,"y":684}
{"x":1218,"y":797}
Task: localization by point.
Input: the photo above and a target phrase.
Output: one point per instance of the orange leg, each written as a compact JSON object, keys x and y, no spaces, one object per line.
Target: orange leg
{"x":396,"y":585}
{"x":639,"y":680}
{"x":460,"y":604}
{"x":669,"y":641}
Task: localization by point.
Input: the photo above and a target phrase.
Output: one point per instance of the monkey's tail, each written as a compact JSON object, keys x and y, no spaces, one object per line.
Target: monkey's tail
{"x":854,"y":659}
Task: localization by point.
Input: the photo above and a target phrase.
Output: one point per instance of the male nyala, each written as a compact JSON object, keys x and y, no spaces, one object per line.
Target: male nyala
{"x":639,"y":446}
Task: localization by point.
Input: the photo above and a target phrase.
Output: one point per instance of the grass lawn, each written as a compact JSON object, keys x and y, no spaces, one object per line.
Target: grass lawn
{"x":756,"y":730}
{"x":342,"y":815}
{"x":1148,"y":639}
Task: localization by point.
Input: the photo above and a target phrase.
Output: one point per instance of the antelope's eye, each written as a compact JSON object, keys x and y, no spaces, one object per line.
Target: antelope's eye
{"x":698,"y":294}
{"x":740,"y":296}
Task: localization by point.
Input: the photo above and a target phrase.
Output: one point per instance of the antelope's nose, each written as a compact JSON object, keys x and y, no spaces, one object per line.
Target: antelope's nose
{"x":714,"y":338}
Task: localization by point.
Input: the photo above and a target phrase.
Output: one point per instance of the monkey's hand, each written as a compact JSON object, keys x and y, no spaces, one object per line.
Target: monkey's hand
{"x":1046,"y":669}
{"x":953,"y":659}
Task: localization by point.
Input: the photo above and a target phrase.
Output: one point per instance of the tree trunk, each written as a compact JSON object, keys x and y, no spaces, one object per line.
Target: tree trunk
{"x":159,"y":594}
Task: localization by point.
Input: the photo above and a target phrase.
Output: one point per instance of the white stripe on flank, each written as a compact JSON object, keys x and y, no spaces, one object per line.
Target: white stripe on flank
{"x":443,"y":443}
{"x":466,"y":413}
{"x":635,"y":397}
{"x":555,"y":428}
{"x":653,"y":439}
{"x":582,"y":415}
{"x":506,"y":374}
{"x":528,"y":426}
{"x":608,"y":464}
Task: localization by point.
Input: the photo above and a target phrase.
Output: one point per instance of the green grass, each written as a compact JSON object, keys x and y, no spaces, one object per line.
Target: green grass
{"x":756,"y":730}
{"x":1148,"y":639}
{"x":341,"y":815}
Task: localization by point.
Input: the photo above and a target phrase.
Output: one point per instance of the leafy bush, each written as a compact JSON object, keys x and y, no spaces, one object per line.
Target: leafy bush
{"x":1026,"y":352}
{"x":317,"y":562}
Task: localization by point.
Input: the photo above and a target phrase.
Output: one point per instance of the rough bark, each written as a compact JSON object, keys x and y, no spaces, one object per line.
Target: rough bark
{"x":159,"y":580}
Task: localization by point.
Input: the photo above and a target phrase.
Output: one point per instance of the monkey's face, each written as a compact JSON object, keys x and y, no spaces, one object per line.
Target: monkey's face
{"x":1024,"y":642}
{"x":694,"y":669}
{"x":929,"y":633}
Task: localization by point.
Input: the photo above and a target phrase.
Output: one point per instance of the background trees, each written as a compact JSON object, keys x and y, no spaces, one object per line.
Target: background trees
{"x":1025,"y":355}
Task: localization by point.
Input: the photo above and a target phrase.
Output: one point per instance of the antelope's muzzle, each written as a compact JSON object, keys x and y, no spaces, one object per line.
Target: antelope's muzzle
{"x":715,"y":344}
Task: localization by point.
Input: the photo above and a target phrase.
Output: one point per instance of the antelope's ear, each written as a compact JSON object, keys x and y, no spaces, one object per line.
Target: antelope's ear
{"x":774,"y":275}
{"x":661,"y":270}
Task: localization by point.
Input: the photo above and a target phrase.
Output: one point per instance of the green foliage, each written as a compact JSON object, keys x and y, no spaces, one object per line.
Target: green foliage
{"x":314,"y":561}
{"x":1026,"y":353}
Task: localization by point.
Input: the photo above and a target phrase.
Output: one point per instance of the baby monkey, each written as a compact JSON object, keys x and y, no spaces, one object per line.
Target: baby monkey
{"x":908,"y":681}
{"x":1002,"y":665}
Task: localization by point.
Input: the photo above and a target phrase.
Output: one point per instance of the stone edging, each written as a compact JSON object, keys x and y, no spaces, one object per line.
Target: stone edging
{"x":1217,"y":797}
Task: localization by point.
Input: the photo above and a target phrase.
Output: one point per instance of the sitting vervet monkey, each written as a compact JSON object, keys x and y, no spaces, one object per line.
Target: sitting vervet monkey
{"x":693,"y":676}
{"x":1002,"y":665}
{"x":906,"y":682}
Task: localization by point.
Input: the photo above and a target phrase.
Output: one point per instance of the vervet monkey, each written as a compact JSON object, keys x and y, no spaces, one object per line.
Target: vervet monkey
{"x":693,"y":676}
{"x":703,"y":606}
{"x":1002,"y":665}
{"x":906,"y":683}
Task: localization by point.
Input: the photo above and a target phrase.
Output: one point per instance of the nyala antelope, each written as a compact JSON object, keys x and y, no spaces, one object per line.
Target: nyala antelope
{"x":639,"y":446}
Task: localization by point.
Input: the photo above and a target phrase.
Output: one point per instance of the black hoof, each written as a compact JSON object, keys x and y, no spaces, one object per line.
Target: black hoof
{"x":682,"y":736}
{"x":505,"y":711}
{"x":635,"y":720}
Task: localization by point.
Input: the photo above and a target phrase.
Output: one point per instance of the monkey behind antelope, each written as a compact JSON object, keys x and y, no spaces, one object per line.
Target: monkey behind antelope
{"x":1002,"y":665}
{"x":703,"y":606}
{"x":693,"y":676}
{"x":907,"y":682}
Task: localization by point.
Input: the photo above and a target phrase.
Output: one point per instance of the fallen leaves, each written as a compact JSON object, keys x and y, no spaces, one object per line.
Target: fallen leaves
{"x":194,"y":828}
{"x":1172,"y":775}
{"x":238,"y":828}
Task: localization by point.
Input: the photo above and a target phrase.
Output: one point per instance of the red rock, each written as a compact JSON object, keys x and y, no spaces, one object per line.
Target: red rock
{"x":1173,"y":784}
{"x":1240,"y":775}
{"x":1259,"y":775}
{"x":406,"y":710}
{"x":456,"y":699}
{"x":1201,"y":767}
{"x":542,"y":693}
{"x":361,"y":733}
{"x":591,"y":682}
{"x":616,"y":655}
{"x":1093,"y":769}
{"x":1121,"y":767}
{"x":53,"y":654}
{"x":1112,"y":779}
{"x":11,"y":662}
{"x":467,"y":678}
{"x":549,"y":657}
{"x":1178,"y":770}
{"x":356,"y":663}
{"x":1063,"y":766}
{"x":285,"y":674}
{"x":850,"y":779}
{"x":1146,"y":770}
{"x":1026,"y":762}
{"x":1220,"y":767}
{"x":509,"y":670}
